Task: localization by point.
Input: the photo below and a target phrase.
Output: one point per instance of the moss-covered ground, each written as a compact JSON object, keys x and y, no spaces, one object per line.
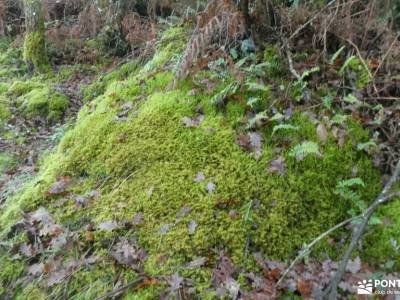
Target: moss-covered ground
{"x":130,"y":145}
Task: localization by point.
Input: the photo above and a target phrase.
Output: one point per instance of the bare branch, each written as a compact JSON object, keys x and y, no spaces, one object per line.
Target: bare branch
{"x":384,"y":196}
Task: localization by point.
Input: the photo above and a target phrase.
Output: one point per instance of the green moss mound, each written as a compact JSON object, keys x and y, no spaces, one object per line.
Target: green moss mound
{"x":44,"y":102}
{"x":130,"y":145}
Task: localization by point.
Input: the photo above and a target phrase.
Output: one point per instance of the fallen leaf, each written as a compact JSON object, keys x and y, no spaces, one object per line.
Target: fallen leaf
{"x":138,"y":219}
{"x":354,"y":266}
{"x":94,"y":195}
{"x":304,"y":287}
{"x":80,"y":201}
{"x":192,"y":122}
{"x":184,"y":211}
{"x":127,"y":252}
{"x":196,"y":263}
{"x":175,"y":282}
{"x":36,"y":269}
{"x":60,"y":187}
{"x":165,"y":228}
{"x":210,"y":187}
{"x":233,"y":287}
{"x":322,"y":133}
{"x":108,"y":226}
{"x":199,"y":177}
{"x":192,"y":227}
{"x":27,"y":250}
{"x":278,"y":166}
{"x":224,"y":269}
{"x":251,"y":142}
{"x":256,"y":144}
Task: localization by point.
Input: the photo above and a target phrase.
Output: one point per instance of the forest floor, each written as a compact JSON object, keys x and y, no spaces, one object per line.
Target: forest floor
{"x":120,"y":181}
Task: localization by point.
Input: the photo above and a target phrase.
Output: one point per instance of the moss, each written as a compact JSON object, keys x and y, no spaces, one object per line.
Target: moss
{"x":11,"y":270}
{"x":44,"y":102}
{"x":383,"y":241}
{"x":19,"y":88}
{"x":5,"y":113}
{"x":130,"y":139}
{"x":35,"y":51}
{"x":6,"y":162}
{"x":4,"y":87}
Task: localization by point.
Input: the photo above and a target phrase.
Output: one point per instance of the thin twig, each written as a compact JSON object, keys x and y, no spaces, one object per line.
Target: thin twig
{"x":386,"y":54}
{"x":312,"y":244}
{"x":298,"y":30}
{"x":364,"y":64}
{"x":384,"y":196}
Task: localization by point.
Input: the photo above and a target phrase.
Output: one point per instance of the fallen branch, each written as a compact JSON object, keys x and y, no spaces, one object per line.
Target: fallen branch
{"x":308,"y":247}
{"x":384,"y":196}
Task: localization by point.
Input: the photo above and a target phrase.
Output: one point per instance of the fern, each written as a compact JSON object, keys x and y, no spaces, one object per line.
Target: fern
{"x":350,"y":183}
{"x":284,"y":127}
{"x":305,"y":149}
{"x":347,"y":189}
{"x":220,"y":21}
{"x":259,"y":118}
{"x":229,"y":90}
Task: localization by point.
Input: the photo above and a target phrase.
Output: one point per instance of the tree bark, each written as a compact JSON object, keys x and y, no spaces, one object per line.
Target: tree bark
{"x":35,"y":54}
{"x":244,"y":7}
{"x":2,"y":18}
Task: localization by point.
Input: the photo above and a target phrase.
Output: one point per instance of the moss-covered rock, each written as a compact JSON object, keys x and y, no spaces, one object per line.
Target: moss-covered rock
{"x":44,"y":102}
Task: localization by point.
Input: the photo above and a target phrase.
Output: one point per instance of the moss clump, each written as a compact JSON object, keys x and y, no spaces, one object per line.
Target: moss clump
{"x":4,"y":87}
{"x":35,"y":51}
{"x":4,"y":110}
{"x":44,"y":102}
{"x":130,"y":145}
{"x":19,"y":88}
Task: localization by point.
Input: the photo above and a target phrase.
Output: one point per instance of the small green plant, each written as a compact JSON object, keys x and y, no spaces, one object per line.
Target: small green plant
{"x":284,"y":127}
{"x":229,"y":90}
{"x":305,"y":149}
{"x":362,"y":74}
{"x":301,"y":84}
{"x":349,"y":190}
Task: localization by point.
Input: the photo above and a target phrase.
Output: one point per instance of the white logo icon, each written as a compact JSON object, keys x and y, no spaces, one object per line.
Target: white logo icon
{"x":365,"y":287}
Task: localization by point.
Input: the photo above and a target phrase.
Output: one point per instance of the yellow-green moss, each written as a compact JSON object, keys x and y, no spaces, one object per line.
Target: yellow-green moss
{"x":44,"y":102}
{"x":19,"y":88}
{"x":130,"y":139}
{"x":4,"y":110}
{"x":35,"y":51}
{"x":4,"y":87}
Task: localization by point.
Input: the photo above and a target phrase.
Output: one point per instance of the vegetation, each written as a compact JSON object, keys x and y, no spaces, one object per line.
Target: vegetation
{"x":198,"y":163}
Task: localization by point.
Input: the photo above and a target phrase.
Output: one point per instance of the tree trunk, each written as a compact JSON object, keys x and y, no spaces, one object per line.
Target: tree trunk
{"x":244,"y":7}
{"x":2,"y":18}
{"x":35,"y":54}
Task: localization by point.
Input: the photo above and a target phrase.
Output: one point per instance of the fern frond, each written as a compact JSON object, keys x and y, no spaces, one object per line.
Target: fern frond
{"x":220,"y":21}
{"x":284,"y":127}
{"x":305,"y":149}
